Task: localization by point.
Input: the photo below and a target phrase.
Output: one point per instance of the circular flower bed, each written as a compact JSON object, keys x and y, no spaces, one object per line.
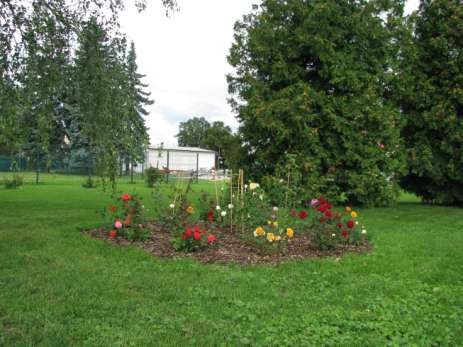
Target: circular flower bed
{"x":231,"y":248}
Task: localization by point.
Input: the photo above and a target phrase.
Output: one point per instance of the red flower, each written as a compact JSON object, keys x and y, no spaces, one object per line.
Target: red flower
{"x":203,"y":232}
{"x":339,"y":225}
{"x":344,"y":233}
{"x":188,"y":232}
{"x":322,"y":209}
{"x":197,"y":236}
{"x":112,"y":234}
{"x":210,"y":216}
{"x":211,"y":239}
{"x":329,"y":206}
{"x":293,"y":213}
{"x":184,"y":237}
{"x":303,"y":214}
{"x":127,"y":222}
{"x":126,"y":197}
{"x":113,"y":208}
{"x":328,"y":214}
{"x":196,"y":229}
{"x":322,"y":200}
{"x":350,"y":223}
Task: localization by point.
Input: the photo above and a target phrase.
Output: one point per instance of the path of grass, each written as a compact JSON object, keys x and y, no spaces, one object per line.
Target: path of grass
{"x":60,"y":288}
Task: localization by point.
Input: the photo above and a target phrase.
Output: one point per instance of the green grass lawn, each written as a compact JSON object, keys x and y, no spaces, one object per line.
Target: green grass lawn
{"x":61,"y":288}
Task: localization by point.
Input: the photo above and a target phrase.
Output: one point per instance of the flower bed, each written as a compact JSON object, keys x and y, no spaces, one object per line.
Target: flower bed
{"x":234,"y":226}
{"x":230,"y":248}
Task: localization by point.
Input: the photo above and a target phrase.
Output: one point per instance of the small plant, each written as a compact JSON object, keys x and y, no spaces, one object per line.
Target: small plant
{"x":153,"y":176}
{"x":89,"y":183}
{"x":126,"y":215}
{"x":13,"y":183}
{"x":193,"y":239}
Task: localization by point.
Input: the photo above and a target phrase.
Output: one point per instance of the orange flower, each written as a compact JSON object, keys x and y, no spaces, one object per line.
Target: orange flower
{"x":190,"y":209}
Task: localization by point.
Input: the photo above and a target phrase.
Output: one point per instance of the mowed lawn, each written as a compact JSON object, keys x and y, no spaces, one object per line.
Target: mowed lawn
{"x":61,"y":288}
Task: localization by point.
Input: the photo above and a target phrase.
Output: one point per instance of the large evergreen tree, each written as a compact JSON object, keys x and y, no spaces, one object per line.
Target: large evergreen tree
{"x":310,"y":80}
{"x":432,"y":100}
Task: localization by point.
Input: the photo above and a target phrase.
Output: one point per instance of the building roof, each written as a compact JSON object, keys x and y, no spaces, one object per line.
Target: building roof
{"x":183,"y":149}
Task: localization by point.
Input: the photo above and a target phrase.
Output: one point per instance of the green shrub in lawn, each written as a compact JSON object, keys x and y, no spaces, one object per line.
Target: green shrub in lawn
{"x":89,"y":183}
{"x":13,"y":183}
{"x":153,"y":175}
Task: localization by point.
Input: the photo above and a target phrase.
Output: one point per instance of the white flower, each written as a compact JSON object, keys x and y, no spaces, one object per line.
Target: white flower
{"x":356,"y":222}
{"x":364,"y":231}
{"x":230,"y":206}
{"x":255,"y":234}
{"x":253,"y":193}
{"x":261,"y":196}
{"x":333,"y":235}
{"x":172,"y":206}
{"x":253,"y":186}
{"x":281,"y":180}
{"x":218,"y":208}
{"x":245,"y":186}
{"x":275,"y":209}
{"x":224,"y":213}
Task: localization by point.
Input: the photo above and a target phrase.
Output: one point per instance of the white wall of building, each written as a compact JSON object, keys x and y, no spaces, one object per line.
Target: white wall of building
{"x":179,"y":160}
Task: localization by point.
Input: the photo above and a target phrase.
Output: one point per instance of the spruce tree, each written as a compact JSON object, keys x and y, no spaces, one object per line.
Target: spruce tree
{"x":431,"y":97}
{"x":310,"y":80}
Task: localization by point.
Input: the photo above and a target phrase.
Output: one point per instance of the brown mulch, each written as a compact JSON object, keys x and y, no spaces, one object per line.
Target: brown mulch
{"x":230,"y":248}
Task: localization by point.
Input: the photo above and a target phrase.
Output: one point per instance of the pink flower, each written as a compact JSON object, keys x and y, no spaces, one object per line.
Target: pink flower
{"x":188,"y":232}
{"x":117,"y":224}
{"x":197,"y":236}
{"x":314,"y":202}
{"x":211,"y":239}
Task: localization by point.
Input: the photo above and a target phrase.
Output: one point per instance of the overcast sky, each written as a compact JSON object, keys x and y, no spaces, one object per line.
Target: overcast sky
{"x":184,"y":58}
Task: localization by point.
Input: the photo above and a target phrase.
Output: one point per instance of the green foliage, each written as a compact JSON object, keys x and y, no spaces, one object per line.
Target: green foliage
{"x":310,"y":80}
{"x":193,"y":239}
{"x":13,"y":183}
{"x":431,"y":97}
{"x":126,"y":217}
{"x":198,"y":132}
{"x":89,"y":183}
{"x":153,"y":176}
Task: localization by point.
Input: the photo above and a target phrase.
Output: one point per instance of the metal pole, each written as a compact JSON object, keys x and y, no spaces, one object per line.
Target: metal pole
{"x":197,"y":167}
{"x":168,"y":166}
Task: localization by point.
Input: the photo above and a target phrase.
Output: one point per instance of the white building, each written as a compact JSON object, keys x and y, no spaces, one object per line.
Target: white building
{"x":180,"y":159}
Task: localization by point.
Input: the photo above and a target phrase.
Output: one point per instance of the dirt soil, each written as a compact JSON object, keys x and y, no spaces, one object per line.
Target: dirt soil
{"x":230,"y":248}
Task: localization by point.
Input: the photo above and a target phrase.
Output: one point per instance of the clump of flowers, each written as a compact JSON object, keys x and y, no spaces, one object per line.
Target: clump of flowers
{"x":330,"y":228}
{"x":194,"y":239}
{"x":126,"y":214}
{"x":273,"y":236}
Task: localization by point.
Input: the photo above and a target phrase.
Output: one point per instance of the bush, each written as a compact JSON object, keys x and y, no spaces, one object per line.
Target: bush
{"x":127,"y":217}
{"x":13,"y":183}
{"x":89,"y":183}
{"x":153,"y":175}
{"x":193,"y":239}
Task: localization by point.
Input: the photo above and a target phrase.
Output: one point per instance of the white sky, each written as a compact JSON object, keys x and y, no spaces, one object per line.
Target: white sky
{"x":184,"y":58}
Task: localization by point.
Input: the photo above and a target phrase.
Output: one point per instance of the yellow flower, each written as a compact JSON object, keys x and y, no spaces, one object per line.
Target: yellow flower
{"x":290,"y":232}
{"x":348,"y":209}
{"x":269,"y":222}
{"x":270,"y":237}
{"x":275,"y":224}
{"x":277,"y":238}
{"x":260,"y":231}
{"x":190,"y":209}
{"x":354,"y":214}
